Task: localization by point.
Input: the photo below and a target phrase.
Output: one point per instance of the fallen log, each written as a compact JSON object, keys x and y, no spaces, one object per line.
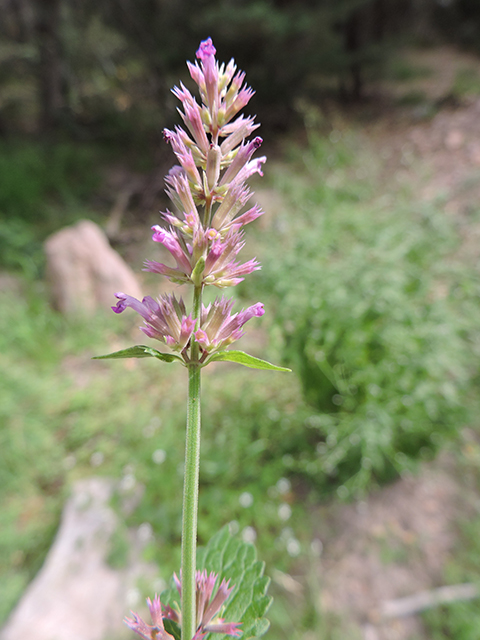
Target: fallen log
{"x":423,"y":600}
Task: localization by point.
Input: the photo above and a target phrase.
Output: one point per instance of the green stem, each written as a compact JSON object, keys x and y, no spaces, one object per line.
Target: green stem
{"x":190,"y":487}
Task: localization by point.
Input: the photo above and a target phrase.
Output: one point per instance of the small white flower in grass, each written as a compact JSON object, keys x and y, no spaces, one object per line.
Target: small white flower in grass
{"x":133,"y":597}
{"x":272,"y":492}
{"x":288,"y":460}
{"x":273,"y":414}
{"x":316,"y":547}
{"x":245,"y":499}
{"x":145,"y":532}
{"x":249,"y":534}
{"x":284,"y":511}
{"x":233,"y":527}
{"x":293,"y":547}
{"x":286,"y":533}
{"x":127,"y":483}
{"x":150,"y":429}
{"x":284,"y":485}
{"x":159,"y":456}
{"x":96,"y":459}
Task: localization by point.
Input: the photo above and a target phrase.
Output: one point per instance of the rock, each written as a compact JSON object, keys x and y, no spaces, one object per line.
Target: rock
{"x":83,"y":270}
{"x":77,"y":594}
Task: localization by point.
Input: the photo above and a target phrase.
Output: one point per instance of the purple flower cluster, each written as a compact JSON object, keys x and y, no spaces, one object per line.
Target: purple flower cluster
{"x":208,"y":607}
{"x":166,"y":320}
{"x":208,"y":190}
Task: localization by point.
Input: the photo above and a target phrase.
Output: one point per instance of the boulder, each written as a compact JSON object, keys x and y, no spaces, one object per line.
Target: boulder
{"x":84,"y":272}
{"x":77,"y":594}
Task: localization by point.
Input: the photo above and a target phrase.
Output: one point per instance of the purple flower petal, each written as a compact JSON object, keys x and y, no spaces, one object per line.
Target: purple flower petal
{"x":206,"y":49}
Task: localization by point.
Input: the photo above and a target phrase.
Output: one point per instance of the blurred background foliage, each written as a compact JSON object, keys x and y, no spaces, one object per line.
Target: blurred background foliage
{"x":84,"y":83}
{"x":370,"y":300}
{"x":71,"y":65}
{"x":380,"y":326}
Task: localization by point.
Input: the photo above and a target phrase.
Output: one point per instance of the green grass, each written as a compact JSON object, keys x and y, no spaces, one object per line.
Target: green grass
{"x":459,"y":620}
{"x":400,"y":69}
{"x":466,"y":82}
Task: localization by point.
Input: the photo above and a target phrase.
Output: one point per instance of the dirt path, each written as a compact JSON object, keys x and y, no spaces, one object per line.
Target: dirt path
{"x":394,"y":544}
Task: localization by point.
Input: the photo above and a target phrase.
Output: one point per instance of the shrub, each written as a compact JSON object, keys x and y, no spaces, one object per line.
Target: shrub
{"x":371,"y":311}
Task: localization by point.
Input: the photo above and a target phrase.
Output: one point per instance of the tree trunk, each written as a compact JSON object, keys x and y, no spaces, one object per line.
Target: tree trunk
{"x":352,"y":46}
{"x":51,"y":96}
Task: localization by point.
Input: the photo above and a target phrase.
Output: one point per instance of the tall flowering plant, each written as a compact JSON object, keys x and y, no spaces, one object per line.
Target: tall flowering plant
{"x":204,"y":235}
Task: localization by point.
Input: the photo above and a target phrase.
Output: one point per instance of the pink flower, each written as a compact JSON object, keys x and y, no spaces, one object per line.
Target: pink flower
{"x":209,"y":605}
{"x":221,"y":269}
{"x":206,"y":53}
{"x":235,"y":132}
{"x":206,"y":50}
{"x":165,"y":320}
{"x":243,"y":155}
{"x":208,"y":608}
{"x":219,"y":328}
{"x":203,"y":231}
{"x":173,"y":243}
{"x":157,"y":630}
{"x":184,"y":154}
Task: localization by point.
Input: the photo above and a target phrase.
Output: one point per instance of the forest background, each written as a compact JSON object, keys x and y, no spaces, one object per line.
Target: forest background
{"x":380,"y":329}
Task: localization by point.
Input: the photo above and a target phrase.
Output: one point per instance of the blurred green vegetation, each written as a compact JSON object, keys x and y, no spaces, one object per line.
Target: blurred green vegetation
{"x":368,"y":299}
{"x":459,"y":620}
{"x":377,"y":316}
{"x":101,"y":70}
{"x":43,"y":186}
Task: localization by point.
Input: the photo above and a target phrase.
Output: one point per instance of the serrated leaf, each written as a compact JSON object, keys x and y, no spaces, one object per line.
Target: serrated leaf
{"x":140,"y":351}
{"x":172,"y":628}
{"x":246,"y":359}
{"x":236,"y":561}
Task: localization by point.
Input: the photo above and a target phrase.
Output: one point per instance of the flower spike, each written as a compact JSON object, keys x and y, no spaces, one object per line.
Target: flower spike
{"x":203,"y":230}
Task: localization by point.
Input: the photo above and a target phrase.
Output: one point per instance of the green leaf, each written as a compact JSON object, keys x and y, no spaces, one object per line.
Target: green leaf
{"x":140,"y":351}
{"x":172,"y":628}
{"x":246,"y":359}
{"x":236,"y":561}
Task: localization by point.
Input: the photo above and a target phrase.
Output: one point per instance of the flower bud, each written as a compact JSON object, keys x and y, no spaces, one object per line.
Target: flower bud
{"x":214,"y":157}
{"x":197,"y":273}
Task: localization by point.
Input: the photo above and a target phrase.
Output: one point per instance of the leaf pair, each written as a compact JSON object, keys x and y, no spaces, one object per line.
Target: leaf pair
{"x":142,"y":351}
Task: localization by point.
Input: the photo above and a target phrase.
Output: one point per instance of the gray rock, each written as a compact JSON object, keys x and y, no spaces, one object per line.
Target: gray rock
{"x":77,"y":594}
{"x":84,"y":272}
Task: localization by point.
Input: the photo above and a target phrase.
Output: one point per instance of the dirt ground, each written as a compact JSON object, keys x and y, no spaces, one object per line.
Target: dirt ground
{"x":390,"y":546}
{"x":396,"y":543}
